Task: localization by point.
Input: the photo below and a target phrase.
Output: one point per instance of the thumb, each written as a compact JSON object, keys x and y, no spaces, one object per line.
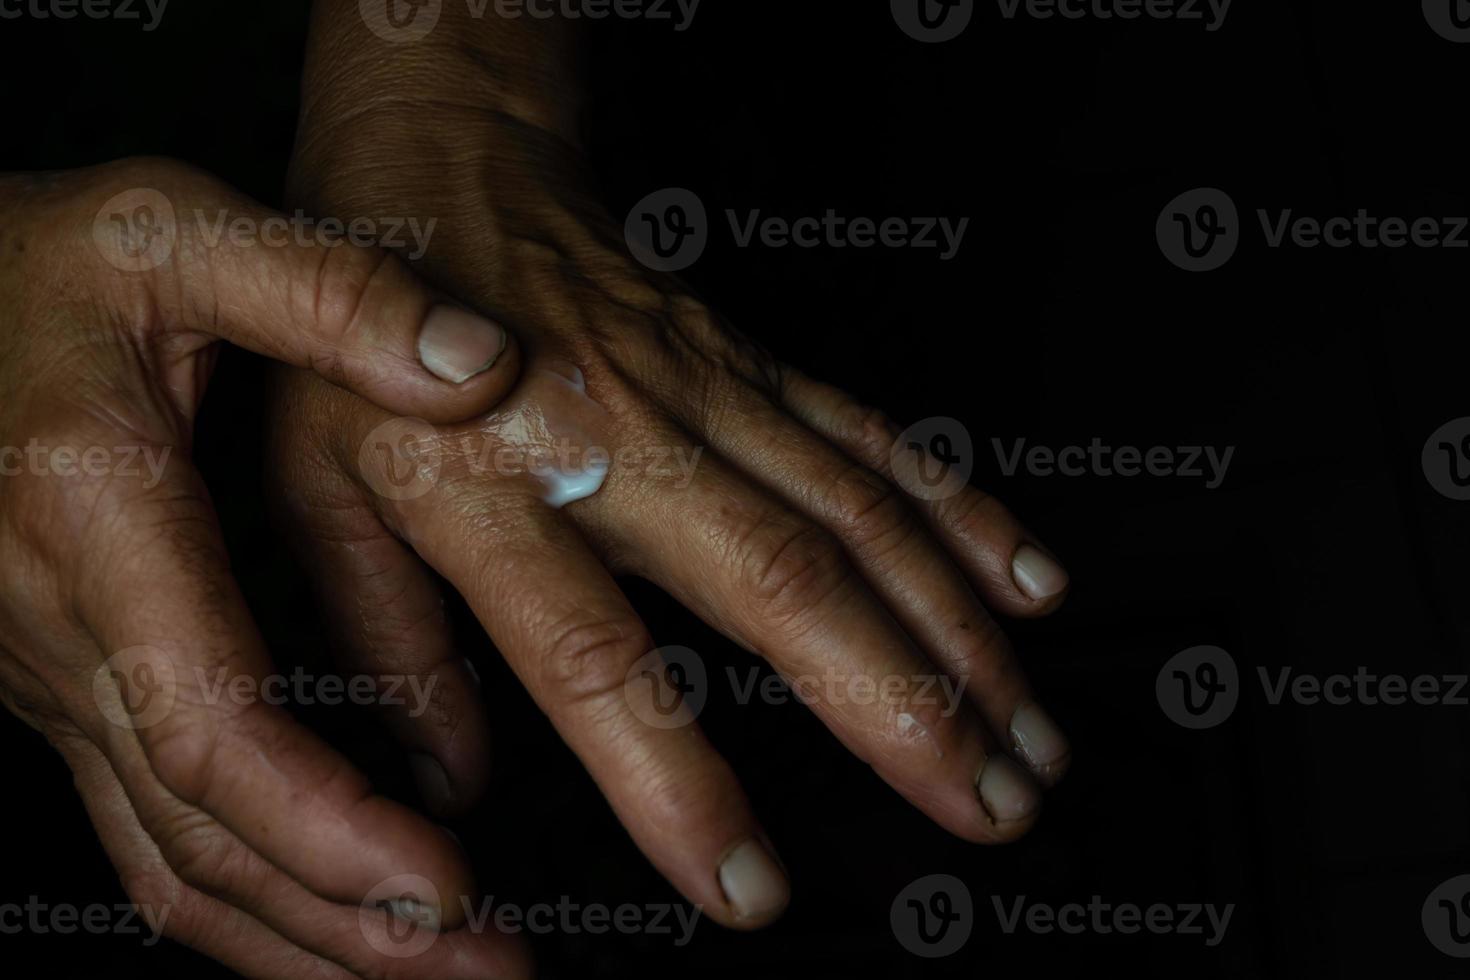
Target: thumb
{"x":315,"y":295}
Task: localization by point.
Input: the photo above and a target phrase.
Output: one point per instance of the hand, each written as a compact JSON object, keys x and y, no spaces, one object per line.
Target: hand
{"x":790,"y":536}
{"x":245,"y":835}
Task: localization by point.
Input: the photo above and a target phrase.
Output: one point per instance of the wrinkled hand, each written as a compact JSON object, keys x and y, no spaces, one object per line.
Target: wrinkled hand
{"x":235,"y":828}
{"x":789,"y":535}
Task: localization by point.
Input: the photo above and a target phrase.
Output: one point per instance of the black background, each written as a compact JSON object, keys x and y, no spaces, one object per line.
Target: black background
{"x":1325,"y":549}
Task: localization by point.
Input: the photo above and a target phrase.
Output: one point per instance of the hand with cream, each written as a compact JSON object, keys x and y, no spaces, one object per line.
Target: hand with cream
{"x":787,"y":529}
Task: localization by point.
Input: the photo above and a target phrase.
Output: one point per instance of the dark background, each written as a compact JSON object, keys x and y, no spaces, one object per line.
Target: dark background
{"x":1325,"y":549}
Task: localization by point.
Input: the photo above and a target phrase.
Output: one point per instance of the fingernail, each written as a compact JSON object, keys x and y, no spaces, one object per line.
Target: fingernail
{"x":754,"y":884}
{"x":432,"y":780}
{"x":1036,"y":573}
{"x":456,"y":344}
{"x":1039,"y":742}
{"x":1006,"y":792}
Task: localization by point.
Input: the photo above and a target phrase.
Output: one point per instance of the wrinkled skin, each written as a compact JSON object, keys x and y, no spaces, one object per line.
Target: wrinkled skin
{"x":792,"y":537}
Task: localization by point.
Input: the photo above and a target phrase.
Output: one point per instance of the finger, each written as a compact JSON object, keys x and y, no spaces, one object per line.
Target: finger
{"x":1013,"y":572}
{"x":386,"y":614}
{"x":209,"y":261}
{"x":214,"y":928}
{"x":572,"y":638}
{"x":210,"y":736}
{"x":902,"y":562}
{"x":782,"y":586}
{"x":203,"y":859}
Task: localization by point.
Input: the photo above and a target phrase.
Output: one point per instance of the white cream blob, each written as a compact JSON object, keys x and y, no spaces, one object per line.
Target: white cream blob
{"x":554,"y":429}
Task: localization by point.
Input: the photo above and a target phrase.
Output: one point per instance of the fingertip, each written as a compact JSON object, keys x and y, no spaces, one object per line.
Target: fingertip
{"x":469,"y":361}
{"x":754,"y":884}
{"x":1039,"y":578}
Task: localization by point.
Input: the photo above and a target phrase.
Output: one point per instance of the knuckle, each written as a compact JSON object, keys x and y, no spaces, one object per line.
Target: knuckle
{"x":589,"y":661}
{"x":868,"y":429}
{"x":866,"y":507}
{"x":974,"y":513}
{"x":334,"y":290}
{"x":791,"y":567}
{"x":182,"y":753}
{"x":677,"y":798}
{"x":987,"y":656}
{"x":152,"y":888}
{"x":204,"y":859}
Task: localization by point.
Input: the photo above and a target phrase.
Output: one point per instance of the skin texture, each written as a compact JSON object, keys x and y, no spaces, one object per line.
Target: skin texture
{"x":259,"y":838}
{"x":792,"y":538}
